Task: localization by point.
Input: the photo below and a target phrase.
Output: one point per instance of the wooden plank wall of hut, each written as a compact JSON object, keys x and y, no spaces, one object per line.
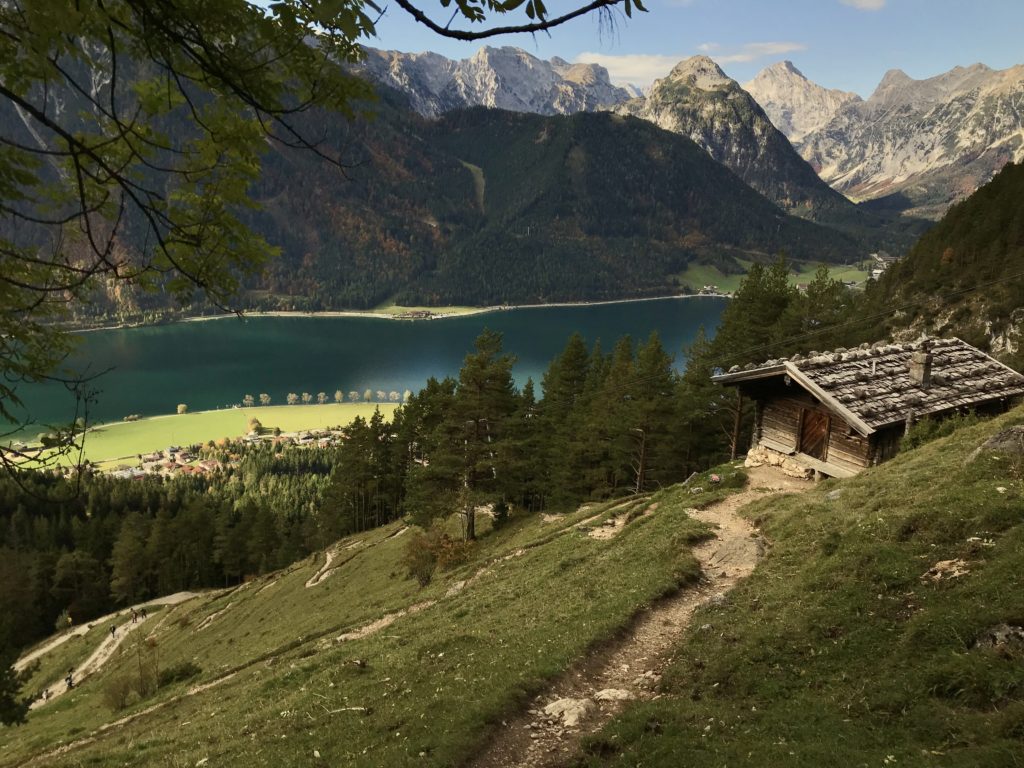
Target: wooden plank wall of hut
{"x":846,"y":448}
{"x":885,"y":444}
{"x":780,"y":429}
{"x":780,"y":421}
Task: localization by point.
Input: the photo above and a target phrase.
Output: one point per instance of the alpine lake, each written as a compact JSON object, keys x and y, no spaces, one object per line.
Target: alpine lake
{"x":214,"y":364}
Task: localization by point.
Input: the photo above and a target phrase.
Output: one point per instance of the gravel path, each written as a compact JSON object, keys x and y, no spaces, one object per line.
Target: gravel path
{"x":106,"y":649}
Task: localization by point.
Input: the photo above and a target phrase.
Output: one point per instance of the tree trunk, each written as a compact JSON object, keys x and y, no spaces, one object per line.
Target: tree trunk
{"x":641,"y":463}
{"x":736,"y":425}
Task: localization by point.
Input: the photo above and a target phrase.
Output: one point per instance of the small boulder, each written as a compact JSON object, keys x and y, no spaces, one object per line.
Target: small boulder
{"x":569,"y":711}
{"x":1009,"y":442}
{"x":1002,"y":637}
{"x":613,"y":694}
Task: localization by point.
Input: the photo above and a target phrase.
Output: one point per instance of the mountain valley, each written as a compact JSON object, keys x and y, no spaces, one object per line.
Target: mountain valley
{"x":562,"y":422}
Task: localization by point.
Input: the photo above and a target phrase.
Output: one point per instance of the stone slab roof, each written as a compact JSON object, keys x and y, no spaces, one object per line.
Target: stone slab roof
{"x":870,"y":386}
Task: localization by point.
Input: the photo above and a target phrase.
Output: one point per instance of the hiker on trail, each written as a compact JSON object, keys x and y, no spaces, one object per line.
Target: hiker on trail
{"x":70,"y":679}
{"x":113,"y":630}
{"x":135,"y":616}
{"x":144,"y":614}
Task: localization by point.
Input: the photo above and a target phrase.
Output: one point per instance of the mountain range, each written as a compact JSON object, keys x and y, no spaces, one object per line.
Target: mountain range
{"x":795,"y":105}
{"x":556,"y":185}
{"x":501,"y":78}
{"x":912,"y":147}
{"x":696,"y":100}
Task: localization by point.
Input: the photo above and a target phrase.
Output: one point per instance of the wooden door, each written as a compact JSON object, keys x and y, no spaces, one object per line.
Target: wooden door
{"x":814,"y":427}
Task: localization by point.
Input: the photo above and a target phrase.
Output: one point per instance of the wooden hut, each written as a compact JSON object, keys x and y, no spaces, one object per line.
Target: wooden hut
{"x":839,"y":412}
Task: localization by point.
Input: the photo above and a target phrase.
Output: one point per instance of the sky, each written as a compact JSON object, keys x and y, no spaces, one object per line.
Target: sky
{"x":845,"y":44}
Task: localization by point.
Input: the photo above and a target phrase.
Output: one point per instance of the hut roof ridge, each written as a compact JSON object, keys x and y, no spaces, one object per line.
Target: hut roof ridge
{"x":871,"y":385}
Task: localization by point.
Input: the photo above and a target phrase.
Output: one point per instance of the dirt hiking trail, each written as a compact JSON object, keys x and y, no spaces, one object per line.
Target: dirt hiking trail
{"x":598,"y":685}
{"x":109,"y":645}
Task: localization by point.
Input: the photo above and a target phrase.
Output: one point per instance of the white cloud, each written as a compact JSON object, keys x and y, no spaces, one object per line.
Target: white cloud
{"x":643,"y":69}
{"x":865,"y":5}
{"x":636,"y":68}
{"x":754,"y":51}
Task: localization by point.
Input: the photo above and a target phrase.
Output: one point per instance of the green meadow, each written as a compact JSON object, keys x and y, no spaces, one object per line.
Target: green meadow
{"x":119,"y":440}
{"x":698,"y":275}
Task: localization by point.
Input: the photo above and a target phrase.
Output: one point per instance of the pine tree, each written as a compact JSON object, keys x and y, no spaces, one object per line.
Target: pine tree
{"x":13,"y":706}
{"x":128,"y":563}
{"x":657,"y":459}
{"x":561,"y":414}
{"x":484,"y":402}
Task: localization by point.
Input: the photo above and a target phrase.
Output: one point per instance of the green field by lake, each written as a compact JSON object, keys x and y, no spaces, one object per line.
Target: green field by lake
{"x":697,"y":275}
{"x":128,"y":439}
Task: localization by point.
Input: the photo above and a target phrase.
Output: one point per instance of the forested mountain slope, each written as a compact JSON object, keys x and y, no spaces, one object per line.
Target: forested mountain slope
{"x":517,"y":210}
{"x":966,"y":275}
{"x":590,"y":204}
{"x":488,"y":206}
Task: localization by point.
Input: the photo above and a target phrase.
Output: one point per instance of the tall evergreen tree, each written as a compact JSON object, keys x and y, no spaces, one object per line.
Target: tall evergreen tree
{"x":657,"y":457}
{"x":128,"y":563}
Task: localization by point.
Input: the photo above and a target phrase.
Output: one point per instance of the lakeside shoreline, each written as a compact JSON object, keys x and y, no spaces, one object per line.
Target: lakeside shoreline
{"x":400,"y":316}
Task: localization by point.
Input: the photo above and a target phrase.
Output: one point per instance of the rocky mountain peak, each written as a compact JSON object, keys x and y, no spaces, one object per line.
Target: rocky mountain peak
{"x":783,"y":69}
{"x":898,"y":89}
{"x":700,"y":72}
{"x":701,"y":102}
{"x":794,"y":104}
{"x":894,"y":78}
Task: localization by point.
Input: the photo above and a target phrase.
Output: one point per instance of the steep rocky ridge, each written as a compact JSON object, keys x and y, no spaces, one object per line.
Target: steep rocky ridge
{"x":700,"y":102}
{"x":504,"y":78}
{"x":921,"y":145}
{"x":795,"y":105}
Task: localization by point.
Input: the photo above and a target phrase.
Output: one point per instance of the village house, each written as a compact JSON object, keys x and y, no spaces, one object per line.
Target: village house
{"x":837,"y":413}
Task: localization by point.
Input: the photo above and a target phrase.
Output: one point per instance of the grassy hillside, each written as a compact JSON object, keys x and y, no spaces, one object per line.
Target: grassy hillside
{"x":422,"y":690}
{"x":837,"y":650}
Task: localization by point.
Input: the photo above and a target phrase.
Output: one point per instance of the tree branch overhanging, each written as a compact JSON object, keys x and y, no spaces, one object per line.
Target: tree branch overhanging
{"x":541,"y":25}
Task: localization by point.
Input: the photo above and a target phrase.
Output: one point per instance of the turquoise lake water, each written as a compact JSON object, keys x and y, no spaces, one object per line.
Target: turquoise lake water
{"x":214,"y":364}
